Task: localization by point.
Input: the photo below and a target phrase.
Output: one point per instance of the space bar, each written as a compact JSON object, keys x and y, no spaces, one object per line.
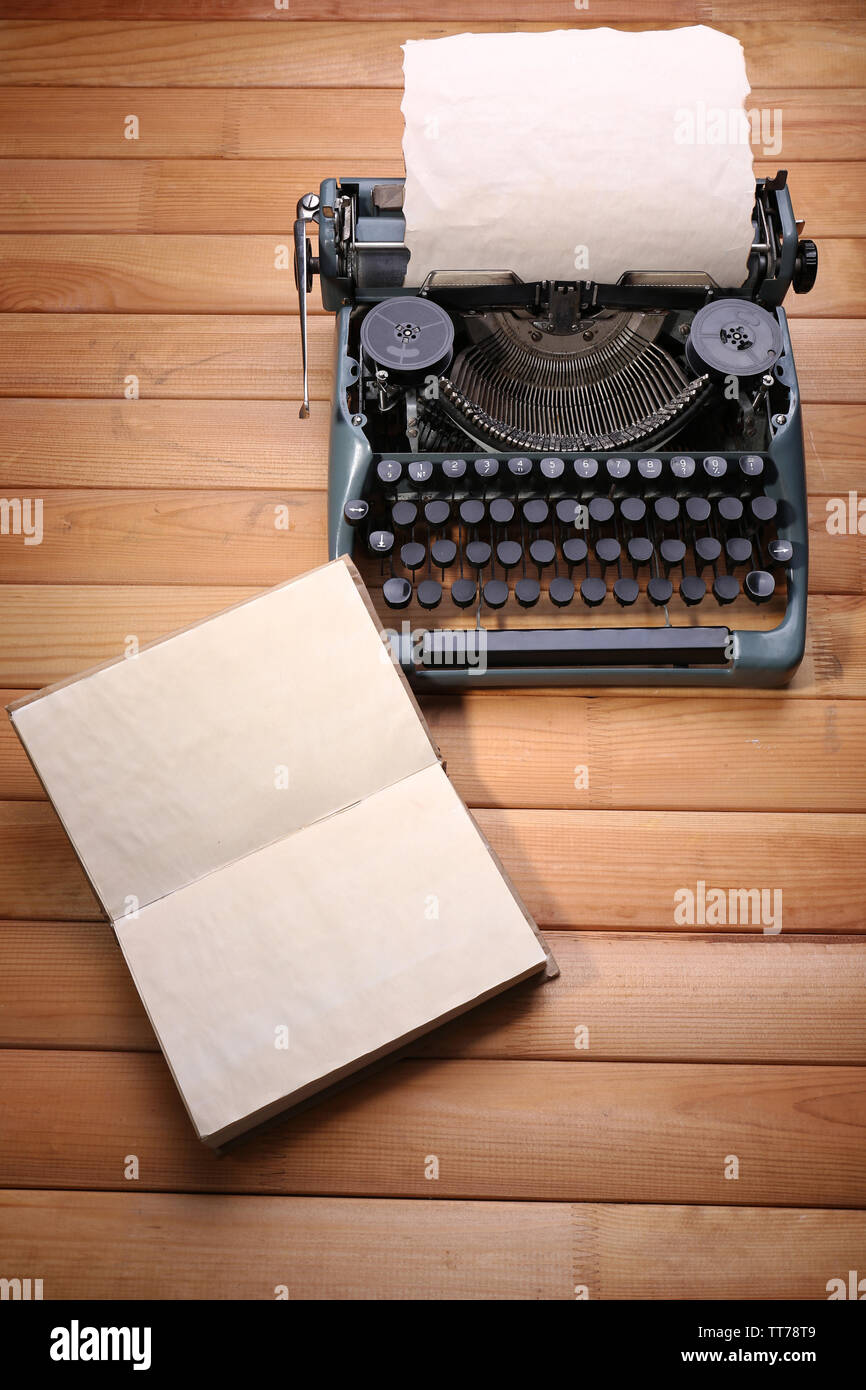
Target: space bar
{"x":600,"y":646}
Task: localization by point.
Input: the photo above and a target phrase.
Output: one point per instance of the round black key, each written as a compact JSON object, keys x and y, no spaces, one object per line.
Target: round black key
{"x":640,"y":550}
{"x":574,"y":550}
{"x":420,"y":472}
{"x":726,"y":588}
{"x":436,"y":513}
{"x":763,"y":509}
{"x":608,"y":550}
{"x":520,"y":467}
{"x":660,"y":591}
{"x":593,"y":591}
{"x":682,"y":466}
{"x":463,"y":592}
{"x":625,"y":591}
{"x":495,"y":593}
{"x":444,"y":553}
{"x":472,"y":511}
{"x":356,"y":511}
{"x":404,"y":515}
{"x":526,"y":591}
{"x":552,"y":468}
{"x":715,"y":466}
{"x":618,"y":468}
{"x":561,"y":591}
{"x":708,"y":550}
{"x":698,"y":509}
{"x":672,"y":552}
{"x":752,"y":465}
{"x":738,"y":550}
{"x":486,"y":469}
{"x":780,"y":552}
{"x":730,"y":508}
{"x":632,"y":510}
{"x":389,"y":471}
{"x":566,"y":510}
{"x":429,"y":593}
{"x":412,"y":555}
{"x":585,"y":468}
{"x":454,"y":469}
{"x":478,"y":554}
{"x":509,"y":554}
{"x":536,"y":511}
{"x":601,"y":510}
{"x":759,"y":586}
{"x":501,"y":511}
{"x":667,"y":509}
{"x":381,"y":542}
{"x":397,"y":592}
{"x":542,"y":553}
{"x":692,"y":589}
{"x":649,"y":468}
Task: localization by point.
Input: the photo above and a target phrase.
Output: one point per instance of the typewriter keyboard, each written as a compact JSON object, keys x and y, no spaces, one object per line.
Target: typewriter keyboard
{"x":554,"y":538}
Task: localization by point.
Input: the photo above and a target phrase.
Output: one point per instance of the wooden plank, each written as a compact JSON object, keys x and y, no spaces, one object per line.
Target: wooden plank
{"x":145,"y":274}
{"x":207,"y":1247}
{"x":353,"y":54}
{"x":102,"y":536}
{"x":606,"y":1131}
{"x":214,"y":356}
{"x":563,"y":864}
{"x":333,"y":132}
{"x":652,"y":997}
{"x":48,"y":632}
{"x":254,"y":196}
{"x":263,"y":444}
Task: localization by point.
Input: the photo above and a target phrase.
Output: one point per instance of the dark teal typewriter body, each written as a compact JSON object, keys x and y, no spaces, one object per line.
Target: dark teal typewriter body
{"x":565,"y":483}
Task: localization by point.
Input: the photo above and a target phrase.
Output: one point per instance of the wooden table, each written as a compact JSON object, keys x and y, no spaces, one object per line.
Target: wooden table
{"x":709,"y":1141}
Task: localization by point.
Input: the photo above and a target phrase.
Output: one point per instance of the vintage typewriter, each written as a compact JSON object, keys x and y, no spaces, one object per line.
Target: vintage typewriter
{"x":565,"y":482}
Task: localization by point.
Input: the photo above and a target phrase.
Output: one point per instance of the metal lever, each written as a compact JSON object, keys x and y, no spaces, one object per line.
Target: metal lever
{"x":306,"y":265}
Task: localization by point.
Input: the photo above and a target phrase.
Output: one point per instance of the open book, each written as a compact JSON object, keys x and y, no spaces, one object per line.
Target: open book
{"x":296,"y":886}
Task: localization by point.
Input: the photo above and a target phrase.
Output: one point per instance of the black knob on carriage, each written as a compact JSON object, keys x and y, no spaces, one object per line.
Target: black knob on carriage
{"x":805,"y":267}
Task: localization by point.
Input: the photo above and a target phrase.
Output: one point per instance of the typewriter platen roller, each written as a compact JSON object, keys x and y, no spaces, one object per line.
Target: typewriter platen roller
{"x":591,"y":483}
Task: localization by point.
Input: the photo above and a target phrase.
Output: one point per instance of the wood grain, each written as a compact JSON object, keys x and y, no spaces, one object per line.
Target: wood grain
{"x":339,"y":134}
{"x":591,"y":869}
{"x":352,"y":54}
{"x":545,"y":1131}
{"x":651,"y":997}
{"x":206,"y":1247}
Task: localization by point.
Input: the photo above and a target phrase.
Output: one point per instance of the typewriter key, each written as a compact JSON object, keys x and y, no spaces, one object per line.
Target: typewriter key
{"x":509,"y":554}
{"x":618,"y":469}
{"x":601,"y":510}
{"x":726,"y":588}
{"x":574,"y":550}
{"x":682,"y":466}
{"x":561,"y":591}
{"x":592,"y":591}
{"x":649,"y":468}
{"x":715,"y":466}
{"x":763,"y":509}
{"x":495,"y":593}
{"x":585,"y":469}
{"x":667,"y":509}
{"x":660,"y":591}
{"x":566,"y":511}
{"x":404,"y":515}
{"x":552,"y":469}
{"x":759,"y":586}
{"x":412,"y":555}
{"x":454,"y":469}
{"x":420,"y":472}
{"x":542,"y":553}
{"x":486,"y":469}
{"x":730,"y":508}
{"x":520,"y":467}
{"x":780,"y":552}
{"x":355,"y":512}
{"x":436,"y":513}
{"x":673,"y":553}
{"x":632,"y":510}
{"x":536,"y":511}
{"x":472,"y":511}
{"x":389,"y":471}
{"x":397,"y":592}
{"x":501,"y":511}
{"x":752,"y":465}
{"x":608,"y":551}
{"x":526,"y":591}
{"x":429,"y":593}
{"x":640,"y":551}
{"x":692,"y":589}
{"x":381,"y":542}
{"x":625,"y":591}
{"x":698,"y":509}
{"x":738,"y":550}
{"x":707,"y":550}
{"x":443,"y":552}
{"x":477,"y":554}
{"x":463,"y":592}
